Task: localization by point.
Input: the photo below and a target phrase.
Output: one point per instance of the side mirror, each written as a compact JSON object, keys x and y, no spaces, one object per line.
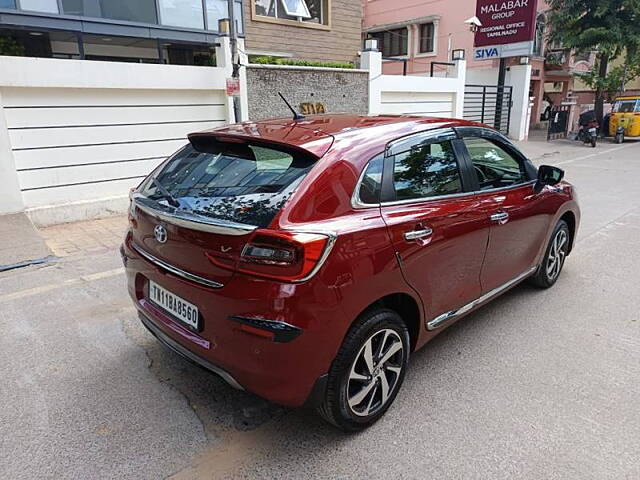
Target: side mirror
{"x":548,"y":175}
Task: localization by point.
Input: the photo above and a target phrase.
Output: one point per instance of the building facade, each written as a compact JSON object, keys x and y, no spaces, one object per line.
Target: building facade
{"x":143,"y":31}
{"x":328,"y":30}
{"x":412,"y":35}
{"x":181,"y":32}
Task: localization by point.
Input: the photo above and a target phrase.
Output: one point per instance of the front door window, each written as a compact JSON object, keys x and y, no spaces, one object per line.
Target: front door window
{"x":494,"y":166}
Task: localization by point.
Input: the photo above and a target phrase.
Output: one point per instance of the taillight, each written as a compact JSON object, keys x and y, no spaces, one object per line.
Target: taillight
{"x":285,"y":256}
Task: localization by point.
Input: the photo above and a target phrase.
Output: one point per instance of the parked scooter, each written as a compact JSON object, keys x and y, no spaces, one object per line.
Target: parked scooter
{"x":588,"y":132}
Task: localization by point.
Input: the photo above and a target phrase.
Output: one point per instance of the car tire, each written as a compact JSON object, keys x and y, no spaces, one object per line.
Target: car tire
{"x":361,"y":384}
{"x":554,"y":257}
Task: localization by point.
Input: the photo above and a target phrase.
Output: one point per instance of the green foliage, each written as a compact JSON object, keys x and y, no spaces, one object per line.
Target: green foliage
{"x":612,"y":84}
{"x":610,"y":26}
{"x":9,"y":46}
{"x":554,"y":58}
{"x":269,"y":60}
{"x":205,"y":60}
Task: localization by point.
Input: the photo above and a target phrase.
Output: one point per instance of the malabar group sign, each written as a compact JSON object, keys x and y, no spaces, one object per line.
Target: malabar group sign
{"x":508,"y":28}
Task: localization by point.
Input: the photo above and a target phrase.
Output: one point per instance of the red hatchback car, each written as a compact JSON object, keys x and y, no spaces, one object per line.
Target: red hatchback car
{"x":305,"y":260}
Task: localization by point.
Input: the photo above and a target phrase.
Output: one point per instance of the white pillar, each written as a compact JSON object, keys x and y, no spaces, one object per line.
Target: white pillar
{"x":460,"y":72}
{"x":10,"y":194}
{"x":243,"y":59}
{"x":528,"y":123}
{"x":225,"y":61}
{"x":371,"y":60}
{"x":519,"y":77}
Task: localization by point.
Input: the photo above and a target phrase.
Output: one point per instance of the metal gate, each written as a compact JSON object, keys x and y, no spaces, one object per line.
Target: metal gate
{"x":489,"y":104}
{"x":559,"y":122}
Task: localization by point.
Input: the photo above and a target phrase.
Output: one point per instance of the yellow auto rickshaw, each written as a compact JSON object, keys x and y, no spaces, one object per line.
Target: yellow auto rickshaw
{"x":625,"y":118}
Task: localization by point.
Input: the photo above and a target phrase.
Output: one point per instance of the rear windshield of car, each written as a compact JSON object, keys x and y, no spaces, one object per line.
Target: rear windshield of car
{"x":241,"y":183}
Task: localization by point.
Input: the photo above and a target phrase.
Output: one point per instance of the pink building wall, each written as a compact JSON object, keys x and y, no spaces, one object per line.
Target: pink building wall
{"x":451,"y":31}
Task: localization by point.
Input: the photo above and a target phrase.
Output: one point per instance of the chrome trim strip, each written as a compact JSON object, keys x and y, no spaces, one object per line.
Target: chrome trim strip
{"x":194,"y":221}
{"x":510,"y":187}
{"x":180,"y":350}
{"x":175,"y":270}
{"x":327,"y":250}
{"x":428,"y":199}
{"x":446,"y":317}
{"x":453,"y":195}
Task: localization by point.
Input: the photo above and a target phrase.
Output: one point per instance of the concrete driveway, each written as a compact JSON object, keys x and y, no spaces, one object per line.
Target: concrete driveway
{"x":538,"y":384}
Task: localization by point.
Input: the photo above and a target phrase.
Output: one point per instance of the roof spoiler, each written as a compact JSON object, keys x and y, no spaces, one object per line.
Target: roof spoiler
{"x":202,"y":141}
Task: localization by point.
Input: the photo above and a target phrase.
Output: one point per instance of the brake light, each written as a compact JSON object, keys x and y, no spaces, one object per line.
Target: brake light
{"x":285,"y":256}
{"x":223,"y":138}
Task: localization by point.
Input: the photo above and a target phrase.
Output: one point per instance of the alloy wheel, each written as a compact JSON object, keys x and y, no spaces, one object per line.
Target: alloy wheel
{"x":375,"y":373}
{"x":557,"y":254}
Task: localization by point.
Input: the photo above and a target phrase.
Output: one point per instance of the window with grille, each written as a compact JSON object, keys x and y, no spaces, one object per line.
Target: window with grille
{"x":392,"y":43}
{"x":313,"y":11}
{"x":427,"y":38}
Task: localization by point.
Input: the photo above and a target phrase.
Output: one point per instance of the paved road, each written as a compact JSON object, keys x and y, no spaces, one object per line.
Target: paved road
{"x":538,"y":384}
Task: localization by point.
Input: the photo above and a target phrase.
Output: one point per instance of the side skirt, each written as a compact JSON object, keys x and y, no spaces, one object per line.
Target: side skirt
{"x":446,"y":317}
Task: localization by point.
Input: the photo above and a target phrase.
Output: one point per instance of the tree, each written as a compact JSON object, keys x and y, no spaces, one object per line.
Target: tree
{"x":615,"y":80}
{"x":611,"y":27}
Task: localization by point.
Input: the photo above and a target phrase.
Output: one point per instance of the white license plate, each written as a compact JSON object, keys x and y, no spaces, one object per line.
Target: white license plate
{"x":178,"y":307}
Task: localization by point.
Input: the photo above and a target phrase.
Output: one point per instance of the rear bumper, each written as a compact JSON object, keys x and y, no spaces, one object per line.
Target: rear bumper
{"x":168,"y":342}
{"x":284,"y":366}
{"x":314,"y":399}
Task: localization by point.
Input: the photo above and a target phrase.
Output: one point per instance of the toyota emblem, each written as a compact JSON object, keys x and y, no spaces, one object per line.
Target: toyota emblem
{"x":160,"y":233}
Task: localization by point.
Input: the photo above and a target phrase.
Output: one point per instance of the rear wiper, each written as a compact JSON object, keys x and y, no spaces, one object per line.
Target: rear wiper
{"x":165,"y":193}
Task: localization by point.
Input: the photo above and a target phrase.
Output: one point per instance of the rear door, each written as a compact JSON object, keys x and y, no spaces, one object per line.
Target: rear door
{"x":519,"y":217}
{"x":433,"y":220}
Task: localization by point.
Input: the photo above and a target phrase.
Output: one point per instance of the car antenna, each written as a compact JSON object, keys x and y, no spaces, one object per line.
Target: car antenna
{"x":296,"y":115}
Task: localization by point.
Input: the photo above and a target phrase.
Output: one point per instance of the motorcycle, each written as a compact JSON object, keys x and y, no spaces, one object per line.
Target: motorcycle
{"x":588,"y":132}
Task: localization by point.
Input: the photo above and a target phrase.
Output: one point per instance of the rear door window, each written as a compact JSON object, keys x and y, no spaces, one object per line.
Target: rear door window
{"x":371,"y":183}
{"x":425,"y":171}
{"x":241,"y":183}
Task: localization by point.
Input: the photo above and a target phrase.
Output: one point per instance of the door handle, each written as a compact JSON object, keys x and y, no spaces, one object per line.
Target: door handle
{"x":500,"y":218}
{"x":417,"y":234}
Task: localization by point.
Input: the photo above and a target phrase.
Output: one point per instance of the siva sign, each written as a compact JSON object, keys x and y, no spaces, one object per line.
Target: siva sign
{"x":486,"y":53}
{"x":521,"y":49}
{"x":312,"y":108}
